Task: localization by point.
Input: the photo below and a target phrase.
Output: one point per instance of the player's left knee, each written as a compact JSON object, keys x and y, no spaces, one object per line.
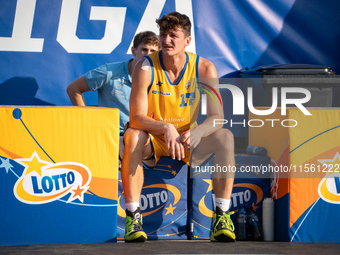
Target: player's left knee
{"x":225,"y":139}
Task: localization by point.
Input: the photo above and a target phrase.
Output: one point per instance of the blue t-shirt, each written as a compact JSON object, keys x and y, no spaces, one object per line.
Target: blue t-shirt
{"x":113,"y":83}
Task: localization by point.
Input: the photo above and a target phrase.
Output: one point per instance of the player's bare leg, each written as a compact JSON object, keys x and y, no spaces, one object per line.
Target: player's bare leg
{"x":221,"y":143}
{"x":137,"y":147}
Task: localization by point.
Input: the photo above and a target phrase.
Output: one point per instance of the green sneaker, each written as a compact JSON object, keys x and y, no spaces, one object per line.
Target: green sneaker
{"x":133,"y":227}
{"x":223,"y":227}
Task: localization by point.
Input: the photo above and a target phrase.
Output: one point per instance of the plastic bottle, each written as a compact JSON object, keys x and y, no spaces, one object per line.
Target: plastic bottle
{"x":241,"y":224}
{"x":268,"y":215}
{"x":254,"y":225}
{"x":254,"y":150}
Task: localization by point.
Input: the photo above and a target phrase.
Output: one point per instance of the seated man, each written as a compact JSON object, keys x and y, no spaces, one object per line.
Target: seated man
{"x":163,"y":108}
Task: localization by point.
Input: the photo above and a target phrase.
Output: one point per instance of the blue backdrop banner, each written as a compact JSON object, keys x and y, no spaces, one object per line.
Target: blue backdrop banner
{"x":45,"y":45}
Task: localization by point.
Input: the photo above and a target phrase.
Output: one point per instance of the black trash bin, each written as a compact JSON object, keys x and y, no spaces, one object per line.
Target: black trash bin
{"x":319,"y":80}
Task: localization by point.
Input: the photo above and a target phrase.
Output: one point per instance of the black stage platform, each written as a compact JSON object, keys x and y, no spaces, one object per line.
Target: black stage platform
{"x":177,"y":247}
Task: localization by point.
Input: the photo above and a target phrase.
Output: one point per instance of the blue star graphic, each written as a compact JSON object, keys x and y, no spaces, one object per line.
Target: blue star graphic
{"x":5,"y":164}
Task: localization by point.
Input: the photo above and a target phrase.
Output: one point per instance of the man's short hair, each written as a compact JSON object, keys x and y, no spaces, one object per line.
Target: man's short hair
{"x":147,"y":37}
{"x":173,"y":20}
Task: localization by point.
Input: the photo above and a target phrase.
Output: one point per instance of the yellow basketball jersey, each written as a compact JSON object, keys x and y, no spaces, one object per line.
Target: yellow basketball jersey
{"x":178,"y":103}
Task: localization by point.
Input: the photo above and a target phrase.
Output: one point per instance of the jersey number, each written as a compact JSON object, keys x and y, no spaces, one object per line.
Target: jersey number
{"x":190,"y":96}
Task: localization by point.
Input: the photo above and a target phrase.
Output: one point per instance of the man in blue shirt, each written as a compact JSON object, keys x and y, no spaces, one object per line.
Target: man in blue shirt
{"x":113,"y":80}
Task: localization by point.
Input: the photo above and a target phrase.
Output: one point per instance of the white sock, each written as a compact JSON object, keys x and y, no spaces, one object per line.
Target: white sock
{"x":131,"y":207}
{"x":222,"y":203}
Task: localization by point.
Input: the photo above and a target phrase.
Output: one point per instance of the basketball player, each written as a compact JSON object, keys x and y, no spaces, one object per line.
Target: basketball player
{"x":163,"y":108}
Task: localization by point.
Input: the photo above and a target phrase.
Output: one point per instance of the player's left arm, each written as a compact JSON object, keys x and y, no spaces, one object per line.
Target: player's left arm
{"x":208,"y":75}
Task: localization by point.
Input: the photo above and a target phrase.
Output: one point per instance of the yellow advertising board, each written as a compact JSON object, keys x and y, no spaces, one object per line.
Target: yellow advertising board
{"x":64,"y":158}
{"x":305,"y":156}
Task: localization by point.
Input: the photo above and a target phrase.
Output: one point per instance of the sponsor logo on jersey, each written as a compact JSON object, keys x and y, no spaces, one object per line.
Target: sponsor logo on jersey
{"x":158,"y":92}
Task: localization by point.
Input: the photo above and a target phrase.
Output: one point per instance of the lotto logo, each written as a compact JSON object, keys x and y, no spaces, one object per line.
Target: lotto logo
{"x":44,"y":182}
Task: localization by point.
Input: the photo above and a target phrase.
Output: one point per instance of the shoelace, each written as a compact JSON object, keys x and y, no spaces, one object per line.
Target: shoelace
{"x":225,"y":221}
{"x":135,"y":225}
